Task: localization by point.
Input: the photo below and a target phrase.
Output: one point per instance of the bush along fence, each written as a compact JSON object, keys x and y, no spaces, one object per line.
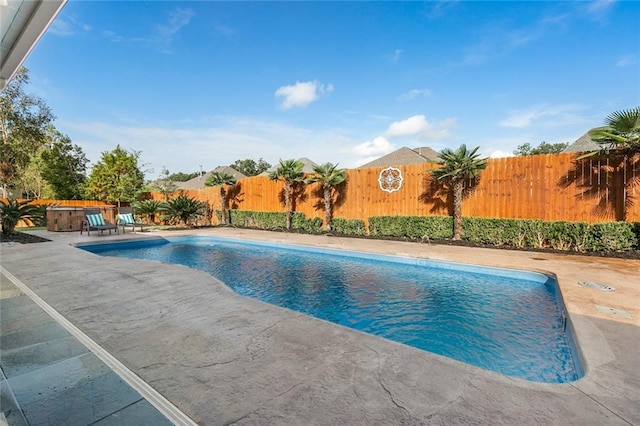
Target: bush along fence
{"x":516,"y":233}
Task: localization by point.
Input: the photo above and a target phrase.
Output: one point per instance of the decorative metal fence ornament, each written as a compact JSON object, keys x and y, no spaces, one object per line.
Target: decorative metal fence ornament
{"x":390,"y":179}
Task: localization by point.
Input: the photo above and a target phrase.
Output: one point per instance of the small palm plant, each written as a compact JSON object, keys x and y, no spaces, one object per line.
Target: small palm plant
{"x":221,"y":179}
{"x":330,"y":176}
{"x":291,"y":174}
{"x":459,"y":168}
{"x":11,"y":211}
{"x":148,"y":208}
{"x":183,"y":208}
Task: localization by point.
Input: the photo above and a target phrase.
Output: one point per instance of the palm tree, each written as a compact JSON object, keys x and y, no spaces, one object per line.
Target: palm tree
{"x":290,"y":172}
{"x":221,"y":179}
{"x":459,"y":167}
{"x":330,"y":176}
{"x":11,"y":211}
{"x":621,"y":131}
{"x":621,"y":134}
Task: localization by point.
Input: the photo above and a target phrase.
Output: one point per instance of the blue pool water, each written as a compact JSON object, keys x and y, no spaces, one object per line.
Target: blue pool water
{"x":507,"y":321}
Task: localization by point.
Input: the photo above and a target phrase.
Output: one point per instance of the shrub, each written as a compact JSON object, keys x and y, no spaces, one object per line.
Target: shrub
{"x":274,"y":221}
{"x":574,"y":236}
{"x":348,"y":226}
{"x":411,"y":227}
{"x":11,"y":211}
{"x":183,"y":208}
{"x":613,"y":236}
{"x":148,"y":208}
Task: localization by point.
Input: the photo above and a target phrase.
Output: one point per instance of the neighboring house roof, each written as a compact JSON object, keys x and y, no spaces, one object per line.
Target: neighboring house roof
{"x":198,"y":181}
{"x":404,"y":156}
{"x":583,"y":144}
{"x":308,"y":166}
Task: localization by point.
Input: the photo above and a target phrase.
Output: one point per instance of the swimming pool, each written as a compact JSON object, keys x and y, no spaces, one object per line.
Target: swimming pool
{"x":511,"y":322}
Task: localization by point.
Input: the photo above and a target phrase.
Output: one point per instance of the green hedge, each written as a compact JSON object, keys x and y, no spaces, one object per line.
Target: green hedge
{"x":411,"y":227}
{"x":519,"y":233}
{"x":274,"y":221}
{"x":560,"y":235}
{"x":348,"y":226}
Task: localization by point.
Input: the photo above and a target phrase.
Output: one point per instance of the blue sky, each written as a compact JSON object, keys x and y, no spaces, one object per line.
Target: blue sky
{"x":193,"y":84}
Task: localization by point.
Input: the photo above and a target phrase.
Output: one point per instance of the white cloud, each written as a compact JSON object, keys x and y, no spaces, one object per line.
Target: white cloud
{"x":184,"y":146}
{"x":418,"y":125}
{"x":302,"y":94}
{"x":501,"y":154}
{"x":378,"y":146}
{"x":68,"y":26}
{"x":627,"y":60}
{"x":414,"y":93}
{"x":161,"y":36}
{"x":544,"y":115}
{"x":370,"y":150}
{"x":395,"y":57}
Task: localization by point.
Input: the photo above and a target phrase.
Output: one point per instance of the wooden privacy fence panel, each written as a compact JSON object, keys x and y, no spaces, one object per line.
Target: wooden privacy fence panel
{"x":546,"y":187}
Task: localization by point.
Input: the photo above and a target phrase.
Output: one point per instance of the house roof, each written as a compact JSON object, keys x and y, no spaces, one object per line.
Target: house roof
{"x":308,"y":166}
{"x":583,"y":144}
{"x":198,"y":181}
{"x":405,"y":156}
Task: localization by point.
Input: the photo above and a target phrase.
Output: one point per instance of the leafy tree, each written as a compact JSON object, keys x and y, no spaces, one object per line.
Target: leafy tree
{"x":29,"y":180}
{"x":116,"y":177}
{"x":23,"y":122}
{"x":11,"y":211}
{"x":458,"y":168}
{"x":249,"y":167}
{"x":543,"y":148}
{"x":182,"y":177}
{"x":64,"y":167}
{"x":165,"y":185}
{"x":221,"y":179}
{"x":330,"y":177}
{"x":183,"y":208}
{"x":291,"y":174}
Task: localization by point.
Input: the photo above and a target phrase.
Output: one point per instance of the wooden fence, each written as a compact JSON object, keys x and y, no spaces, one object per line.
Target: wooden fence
{"x":546,"y":187}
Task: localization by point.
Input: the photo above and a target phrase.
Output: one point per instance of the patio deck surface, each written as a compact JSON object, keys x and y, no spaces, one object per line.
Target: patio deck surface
{"x":222,"y":358}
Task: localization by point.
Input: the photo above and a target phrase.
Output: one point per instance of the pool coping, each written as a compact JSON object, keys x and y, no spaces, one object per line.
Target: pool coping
{"x":608,"y":390}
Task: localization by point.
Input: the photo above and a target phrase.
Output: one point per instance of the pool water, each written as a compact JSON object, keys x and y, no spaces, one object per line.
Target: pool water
{"x":507,"y":321}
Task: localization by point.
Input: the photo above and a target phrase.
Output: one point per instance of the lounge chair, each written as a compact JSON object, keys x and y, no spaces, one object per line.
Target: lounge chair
{"x":94,"y":221}
{"x":125,"y":219}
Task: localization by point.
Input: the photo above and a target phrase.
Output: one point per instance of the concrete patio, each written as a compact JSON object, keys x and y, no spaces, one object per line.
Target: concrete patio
{"x":225,"y":359}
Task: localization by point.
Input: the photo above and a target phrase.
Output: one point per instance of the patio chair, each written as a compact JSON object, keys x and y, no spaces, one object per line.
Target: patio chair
{"x":94,"y":221}
{"x":125,"y":219}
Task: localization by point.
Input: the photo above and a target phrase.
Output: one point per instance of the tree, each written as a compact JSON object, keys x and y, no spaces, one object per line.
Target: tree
{"x":291,"y":174}
{"x":164,"y":184}
{"x":182,"y":177}
{"x":330,"y":176}
{"x":543,"y":148}
{"x":458,"y":168}
{"x":621,"y":132}
{"x":221,"y":179}
{"x":29,"y":180}
{"x":249,"y":167}
{"x":64,"y":167}
{"x":23,"y":122}
{"x":620,"y":137}
{"x":116,"y":177}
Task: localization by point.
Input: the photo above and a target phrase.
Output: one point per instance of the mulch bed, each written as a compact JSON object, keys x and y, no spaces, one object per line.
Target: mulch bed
{"x":22,"y":238}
